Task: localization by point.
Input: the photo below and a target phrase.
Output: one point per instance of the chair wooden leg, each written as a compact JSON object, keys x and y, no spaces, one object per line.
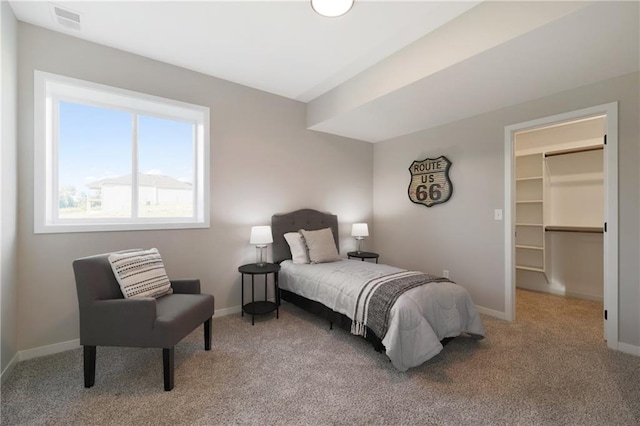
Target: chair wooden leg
{"x":167,"y":361}
{"x":89,"y":365}
{"x":207,"y":334}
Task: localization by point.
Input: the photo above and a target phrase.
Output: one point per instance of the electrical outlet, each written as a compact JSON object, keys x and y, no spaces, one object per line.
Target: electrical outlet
{"x":445,"y":273}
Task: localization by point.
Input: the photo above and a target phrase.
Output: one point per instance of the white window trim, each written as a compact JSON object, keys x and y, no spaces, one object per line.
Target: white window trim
{"x":45,"y":166}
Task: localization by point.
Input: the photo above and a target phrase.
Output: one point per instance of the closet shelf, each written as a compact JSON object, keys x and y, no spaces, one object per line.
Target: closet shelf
{"x":528,"y":178}
{"x":586,"y":229}
{"x":529,"y":268}
{"x":528,"y":201}
{"x":528,"y":224}
{"x":529,"y":247}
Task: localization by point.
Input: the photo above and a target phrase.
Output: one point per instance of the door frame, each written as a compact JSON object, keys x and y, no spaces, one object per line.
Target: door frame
{"x":610,"y":238}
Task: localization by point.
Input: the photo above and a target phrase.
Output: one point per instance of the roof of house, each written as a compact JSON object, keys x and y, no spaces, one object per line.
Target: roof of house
{"x":144,"y":179}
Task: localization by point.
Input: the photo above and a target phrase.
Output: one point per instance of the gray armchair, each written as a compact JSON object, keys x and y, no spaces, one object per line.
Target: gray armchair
{"x":108,"y":319}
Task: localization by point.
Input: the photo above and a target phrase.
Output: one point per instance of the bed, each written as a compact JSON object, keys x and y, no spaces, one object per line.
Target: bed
{"x":423,"y":316}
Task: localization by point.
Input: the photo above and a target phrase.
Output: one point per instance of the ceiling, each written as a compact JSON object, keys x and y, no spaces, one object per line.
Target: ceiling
{"x":281,"y":47}
{"x":386,"y":68}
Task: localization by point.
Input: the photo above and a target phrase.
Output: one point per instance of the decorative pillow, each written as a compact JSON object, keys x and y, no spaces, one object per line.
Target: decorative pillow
{"x":321,"y":245}
{"x":297,"y":246}
{"x":140,"y":274}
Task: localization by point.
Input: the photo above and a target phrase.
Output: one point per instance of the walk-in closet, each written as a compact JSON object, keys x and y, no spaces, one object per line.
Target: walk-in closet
{"x":559,"y":209}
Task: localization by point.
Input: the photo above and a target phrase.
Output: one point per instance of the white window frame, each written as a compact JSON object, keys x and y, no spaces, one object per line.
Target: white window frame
{"x":50,"y":88}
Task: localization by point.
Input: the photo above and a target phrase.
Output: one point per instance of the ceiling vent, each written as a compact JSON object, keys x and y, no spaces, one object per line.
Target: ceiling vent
{"x":65,"y":17}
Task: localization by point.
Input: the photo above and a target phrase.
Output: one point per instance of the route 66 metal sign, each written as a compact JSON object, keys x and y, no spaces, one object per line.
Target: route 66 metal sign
{"x":430,"y":183}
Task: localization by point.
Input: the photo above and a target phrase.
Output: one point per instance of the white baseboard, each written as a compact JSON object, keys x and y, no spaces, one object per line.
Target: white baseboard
{"x":491,"y":312}
{"x":560,"y":291}
{"x":227,"y":311}
{"x":586,"y":296}
{"x":234,"y":309}
{"x":629,"y":349}
{"x":542,"y":288}
{"x":74,"y":344}
{"x":49,"y":349}
{"x":9,"y":368}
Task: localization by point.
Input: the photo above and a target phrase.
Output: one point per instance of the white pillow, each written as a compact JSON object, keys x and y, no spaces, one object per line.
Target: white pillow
{"x":140,"y":274}
{"x":321,"y":245}
{"x":297,"y":246}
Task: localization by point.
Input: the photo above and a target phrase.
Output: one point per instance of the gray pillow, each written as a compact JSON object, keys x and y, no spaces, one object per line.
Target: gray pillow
{"x":321,"y":245}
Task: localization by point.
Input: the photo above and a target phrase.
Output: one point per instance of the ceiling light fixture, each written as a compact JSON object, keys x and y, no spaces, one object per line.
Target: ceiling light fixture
{"x":331,"y":8}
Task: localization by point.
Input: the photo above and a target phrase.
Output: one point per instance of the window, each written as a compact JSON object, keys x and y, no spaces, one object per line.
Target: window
{"x":108,"y":159}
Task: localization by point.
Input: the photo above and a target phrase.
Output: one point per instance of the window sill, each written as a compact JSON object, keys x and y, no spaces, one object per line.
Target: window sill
{"x":112,"y":227}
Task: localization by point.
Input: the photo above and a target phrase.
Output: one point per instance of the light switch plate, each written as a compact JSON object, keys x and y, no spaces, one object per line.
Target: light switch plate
{"x":497,"y":214}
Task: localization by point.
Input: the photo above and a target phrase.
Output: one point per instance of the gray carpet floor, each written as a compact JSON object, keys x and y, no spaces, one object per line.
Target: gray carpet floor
{"x":550,"y":367}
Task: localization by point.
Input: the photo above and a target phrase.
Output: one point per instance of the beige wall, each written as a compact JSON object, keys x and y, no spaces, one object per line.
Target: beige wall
{"x":8,"y":187}
{"x":462,"y":235}
{"x":263,"y":161}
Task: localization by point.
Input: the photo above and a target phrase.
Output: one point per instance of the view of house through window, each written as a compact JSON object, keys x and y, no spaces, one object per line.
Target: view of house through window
{"x":112,"y":159}
{"x":95,"y":164}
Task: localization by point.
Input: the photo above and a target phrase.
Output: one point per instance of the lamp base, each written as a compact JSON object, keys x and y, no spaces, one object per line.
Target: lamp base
{"x":261,"y":255}
{"x":359,"y":246}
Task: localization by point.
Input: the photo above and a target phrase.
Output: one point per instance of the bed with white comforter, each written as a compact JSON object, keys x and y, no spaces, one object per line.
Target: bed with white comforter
{"x":419,"y":319}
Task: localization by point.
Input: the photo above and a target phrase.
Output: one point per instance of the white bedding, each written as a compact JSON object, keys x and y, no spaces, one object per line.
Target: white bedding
{"x":419,"y":319}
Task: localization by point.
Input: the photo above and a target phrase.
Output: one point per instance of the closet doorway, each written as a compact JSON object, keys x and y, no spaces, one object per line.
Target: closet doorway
{"x":561,"y":209}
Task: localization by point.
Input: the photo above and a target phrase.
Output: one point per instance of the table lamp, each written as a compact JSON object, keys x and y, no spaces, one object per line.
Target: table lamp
{"x":261,"y":236}
{"x":359,"y":231}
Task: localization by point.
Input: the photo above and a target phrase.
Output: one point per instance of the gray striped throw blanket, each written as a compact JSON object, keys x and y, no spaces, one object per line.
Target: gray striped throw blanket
{"x":378,"y":295}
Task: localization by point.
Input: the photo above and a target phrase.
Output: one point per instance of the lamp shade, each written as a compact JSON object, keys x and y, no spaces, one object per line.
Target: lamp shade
{"x":261,"y":235}
{"x":359,"y":230}
{"x":331,"y":8}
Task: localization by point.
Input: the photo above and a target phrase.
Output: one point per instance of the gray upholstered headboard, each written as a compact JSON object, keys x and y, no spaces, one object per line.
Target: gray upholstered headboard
{"x":307,"y":219}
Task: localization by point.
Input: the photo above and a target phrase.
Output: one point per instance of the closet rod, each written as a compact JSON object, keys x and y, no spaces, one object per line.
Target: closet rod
{"x":587,"y":229}
{"x":573,"y":150}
